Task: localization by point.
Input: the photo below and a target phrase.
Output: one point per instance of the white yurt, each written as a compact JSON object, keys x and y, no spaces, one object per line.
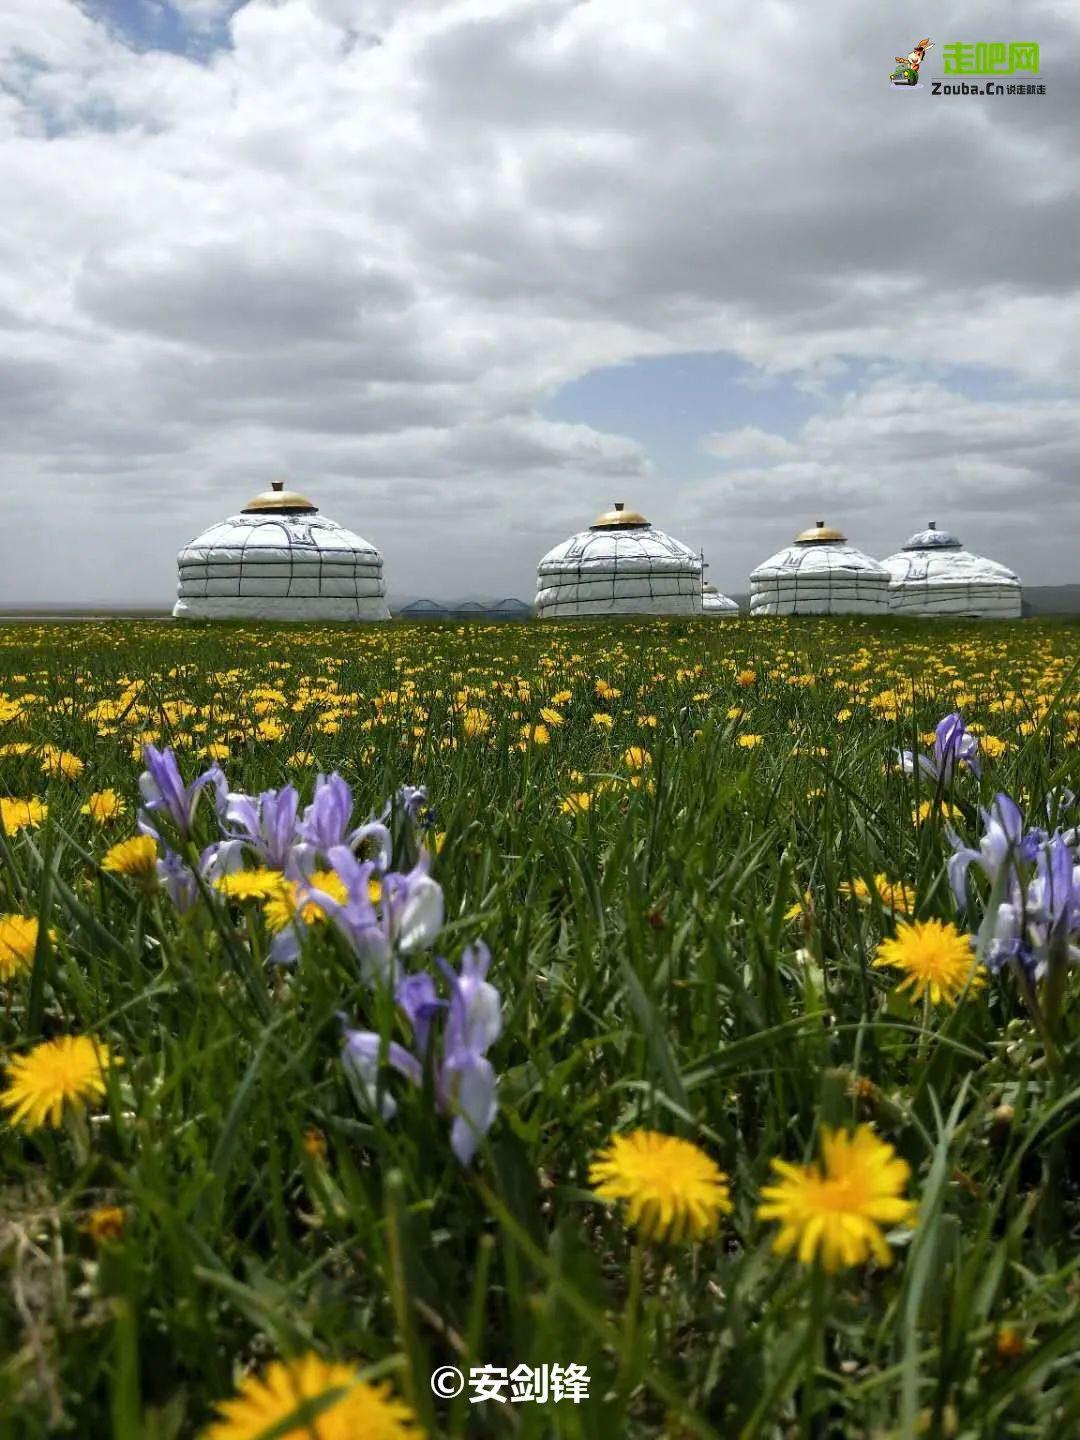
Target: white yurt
{"x":819,"y":574}
{"x":621,"y":565}
{"x":716,"y":605}
{"x":934,"y":575}
{"x":279,"y":559}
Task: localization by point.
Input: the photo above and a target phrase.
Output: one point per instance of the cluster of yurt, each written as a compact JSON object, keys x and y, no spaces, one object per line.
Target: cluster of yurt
{"x":279,"y":559}
{"x":821,"y":573}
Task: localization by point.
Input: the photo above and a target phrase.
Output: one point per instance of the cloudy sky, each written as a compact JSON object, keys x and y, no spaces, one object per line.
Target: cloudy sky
{"x":466,"y":271}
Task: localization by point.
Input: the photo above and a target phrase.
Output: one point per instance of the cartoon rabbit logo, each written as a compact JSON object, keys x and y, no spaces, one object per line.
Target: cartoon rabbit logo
{"x":907,"y":66}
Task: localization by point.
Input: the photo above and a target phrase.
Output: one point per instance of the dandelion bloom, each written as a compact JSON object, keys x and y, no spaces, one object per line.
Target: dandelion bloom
{"x":749,"y":742}
{"x":476,"y":721}
{"x":936,"y":958}
{"x":250,"y":884}
{"x":746,"y":677}
{"x":837,"y":1207}
{"x":267,"y":1403}
{"x":66,"y":1071}
{"x":893,"y":894}
{"x":576,"y":804}
{"x":602,"y":720}
{"x":61,"y":764}
{"x":136,"y":858}
{"x":551,"y":717}
{"x":21,"y":814}
{"x":637,"y":757}
{"x":290,"y":900}
{"x":18,"y":941}
{"x":103,"y":806}
{"x":672,"y":1190}
{"x":538,"y":734}
{"x":105,"y":1224}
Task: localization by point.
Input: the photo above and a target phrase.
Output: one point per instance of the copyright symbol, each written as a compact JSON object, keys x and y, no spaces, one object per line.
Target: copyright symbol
{"x":447,"y":1381}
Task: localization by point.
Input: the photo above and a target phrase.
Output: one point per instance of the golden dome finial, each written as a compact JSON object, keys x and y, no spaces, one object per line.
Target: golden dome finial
{"x":820,"y":534}
{"x":618,"y":517}
{"x":278,"y":498}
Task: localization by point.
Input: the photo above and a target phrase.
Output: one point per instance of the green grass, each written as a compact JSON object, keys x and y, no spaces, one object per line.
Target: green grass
{"x":649,"y":979}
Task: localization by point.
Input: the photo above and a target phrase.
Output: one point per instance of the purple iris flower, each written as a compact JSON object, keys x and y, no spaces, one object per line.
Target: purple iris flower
{"x":1054,"y":894}
{"x":465,"y":1081}
{"x":953,"y":745}
{"x":162,"y":788}
{"x":178,"y":880}
{"x":416,"y":996}
{"x":1004,"y":842}
{"x":412,"y":799}
{"x":266,"y":826}
{"x":360,"y":1056}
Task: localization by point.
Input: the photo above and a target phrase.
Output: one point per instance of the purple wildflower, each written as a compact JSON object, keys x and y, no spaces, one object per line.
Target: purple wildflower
{"x":266,"y":826}
{"x":465,"y":1083}
{"x":1004,"y":842}
{"x":953,"y":745}
{"x":162,"y":788}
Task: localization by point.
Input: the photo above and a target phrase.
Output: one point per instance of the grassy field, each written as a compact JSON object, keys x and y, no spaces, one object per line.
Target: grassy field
{"x":685,"y":845}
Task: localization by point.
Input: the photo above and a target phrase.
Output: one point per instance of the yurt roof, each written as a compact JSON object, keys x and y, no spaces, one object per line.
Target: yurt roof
{"x":820,"y":534}
{"x":278,"y":498}
{"x":619,"y":518}
{"x":932,"y":539}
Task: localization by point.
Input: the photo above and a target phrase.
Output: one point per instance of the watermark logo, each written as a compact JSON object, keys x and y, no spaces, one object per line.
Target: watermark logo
{"x":908,"y":66}
{"x":523,"y":1385}
{"x":995,"y":58}
{"x":984,"y":60}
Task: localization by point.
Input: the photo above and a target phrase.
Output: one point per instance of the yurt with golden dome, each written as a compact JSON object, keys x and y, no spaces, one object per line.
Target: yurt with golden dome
{"x":620,"y":565}
{"x":717,"y":605}
{"x":280,"y":559}
{"x":934,"y":575}
{"x":819,"y":573}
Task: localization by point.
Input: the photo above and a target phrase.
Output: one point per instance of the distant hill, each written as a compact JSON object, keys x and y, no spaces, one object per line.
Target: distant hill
{"x":1052,"y":599}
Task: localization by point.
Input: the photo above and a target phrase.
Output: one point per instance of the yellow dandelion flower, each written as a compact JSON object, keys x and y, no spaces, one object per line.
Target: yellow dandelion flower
{"x":636,"y":758}
{"x":577,"y":803}
{"x":476,"y":721}
{"x":136,"y":858}
{"x":537,"y":734}
{"x":21,"y":814}
{"x":18,"y":941}
{"x":287,"y":902}
{"x":67,"y":1071}
{"x":105,"y":1224}
{"x":936,"y":958}
{"x":893,"y":894}
{"x":604,"y":691}
{"x":562,"y":697}
{"x":216,"y":750}
{"x":746,"y":677}
{"x":250,"y":884}
{"x":672,"y":1189}
{"x":103,"y":806}
{"x":749,"y":742}
{"x":836,"y":1208}
{"x":602,"y":720}
{"x":278,"y":1402}
{"x":551,"y":717}
{"x":61,"y":764}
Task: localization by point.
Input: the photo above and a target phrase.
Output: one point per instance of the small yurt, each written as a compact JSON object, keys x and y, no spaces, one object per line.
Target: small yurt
{"x":620,"y":565}
{"x":934,"y":575}
{"x":279,"y":559}
{"x":819,"y":574}
{"x":715,"y":605}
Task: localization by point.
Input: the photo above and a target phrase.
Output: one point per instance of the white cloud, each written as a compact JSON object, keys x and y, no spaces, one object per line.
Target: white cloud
{"x":367,"y":242}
